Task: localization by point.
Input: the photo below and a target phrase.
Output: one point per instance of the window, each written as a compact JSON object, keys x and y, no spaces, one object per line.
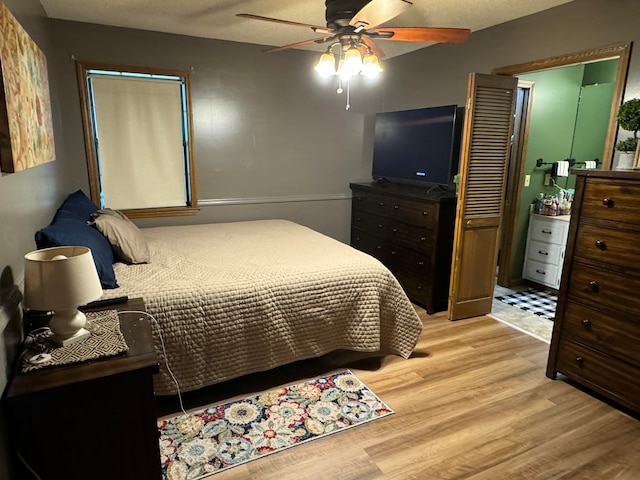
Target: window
{"x":137,"y":127}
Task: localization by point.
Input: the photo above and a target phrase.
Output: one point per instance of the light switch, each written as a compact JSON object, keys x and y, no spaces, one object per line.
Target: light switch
{"x":527,"y":180}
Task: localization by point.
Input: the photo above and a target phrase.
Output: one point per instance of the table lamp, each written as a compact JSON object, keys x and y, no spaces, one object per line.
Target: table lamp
{"x":60,"y":279}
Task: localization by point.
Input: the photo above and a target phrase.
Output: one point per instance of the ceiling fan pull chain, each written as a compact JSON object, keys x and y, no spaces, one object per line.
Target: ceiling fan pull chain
{"x":348,"y":106}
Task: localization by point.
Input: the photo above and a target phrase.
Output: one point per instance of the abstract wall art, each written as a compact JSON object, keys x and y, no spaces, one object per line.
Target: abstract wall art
{"x":26,"y":127}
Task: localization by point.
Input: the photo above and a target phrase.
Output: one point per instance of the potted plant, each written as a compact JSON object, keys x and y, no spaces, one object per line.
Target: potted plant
{"x":456,"y":181}
{"x":628,"y":119}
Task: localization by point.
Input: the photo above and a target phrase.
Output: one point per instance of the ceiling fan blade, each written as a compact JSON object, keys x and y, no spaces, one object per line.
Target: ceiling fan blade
{"x":300,"y":44}
{"x":372,"y":45}
{"x":423,"y":34}
{"x":315,"y":28}
{"x":377,"y":12}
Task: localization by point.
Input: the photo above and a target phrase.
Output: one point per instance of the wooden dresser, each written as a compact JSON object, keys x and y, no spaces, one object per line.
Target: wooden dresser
{"x":410,"y":230}
{"x":596,"y":335}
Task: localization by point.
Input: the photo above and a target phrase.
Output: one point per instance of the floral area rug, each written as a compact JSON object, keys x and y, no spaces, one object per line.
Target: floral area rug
{"x":222,"y":436}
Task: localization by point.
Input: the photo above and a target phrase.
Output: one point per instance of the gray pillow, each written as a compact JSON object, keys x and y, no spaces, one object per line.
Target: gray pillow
{"x":125,"y":237}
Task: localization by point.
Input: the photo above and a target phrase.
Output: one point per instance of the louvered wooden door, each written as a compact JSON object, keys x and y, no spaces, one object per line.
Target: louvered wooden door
{"x":483,"y":167}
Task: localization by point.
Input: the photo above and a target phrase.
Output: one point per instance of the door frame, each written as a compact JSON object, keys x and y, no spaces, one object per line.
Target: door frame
{"x":509,"y":238}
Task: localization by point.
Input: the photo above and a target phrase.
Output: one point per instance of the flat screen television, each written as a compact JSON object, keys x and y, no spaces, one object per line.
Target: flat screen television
{"x":420,"y":146}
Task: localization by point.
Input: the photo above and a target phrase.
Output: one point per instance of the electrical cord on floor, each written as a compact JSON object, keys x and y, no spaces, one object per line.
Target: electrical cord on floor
{"x":164,"y":353}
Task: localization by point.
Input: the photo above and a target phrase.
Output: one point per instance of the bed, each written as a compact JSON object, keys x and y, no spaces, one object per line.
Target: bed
{"x":239,"y":298}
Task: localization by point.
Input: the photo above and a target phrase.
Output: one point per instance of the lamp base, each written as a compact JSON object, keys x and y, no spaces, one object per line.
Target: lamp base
{"x":76,"y":337}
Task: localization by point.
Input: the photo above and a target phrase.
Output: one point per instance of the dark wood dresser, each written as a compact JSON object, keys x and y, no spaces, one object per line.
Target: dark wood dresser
{"x":410,"y":230}
{"x":596,"y":335}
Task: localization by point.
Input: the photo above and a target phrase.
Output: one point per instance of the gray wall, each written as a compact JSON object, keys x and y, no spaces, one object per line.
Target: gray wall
{"x":267,"y":133}
{"x":291,"y":137}
{"x":26,"y":203}
{"x":438,"y":74}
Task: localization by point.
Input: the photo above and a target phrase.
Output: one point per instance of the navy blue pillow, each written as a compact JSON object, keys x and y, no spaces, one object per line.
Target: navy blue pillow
{"x":66,"y":230}
{"x":79,"y":204}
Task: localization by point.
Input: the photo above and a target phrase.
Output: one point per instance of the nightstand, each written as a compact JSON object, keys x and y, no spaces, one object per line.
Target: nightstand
{"x":95,"y":419}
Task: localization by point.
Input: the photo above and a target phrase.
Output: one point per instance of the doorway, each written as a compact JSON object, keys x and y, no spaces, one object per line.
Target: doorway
{"x":515,"y":218}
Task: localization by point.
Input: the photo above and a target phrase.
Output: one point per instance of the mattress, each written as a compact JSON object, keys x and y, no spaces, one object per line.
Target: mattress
{"x":237,"y":298}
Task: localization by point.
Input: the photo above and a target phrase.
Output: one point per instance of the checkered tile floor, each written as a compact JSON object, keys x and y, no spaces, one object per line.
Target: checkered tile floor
{"x":539,"y":302}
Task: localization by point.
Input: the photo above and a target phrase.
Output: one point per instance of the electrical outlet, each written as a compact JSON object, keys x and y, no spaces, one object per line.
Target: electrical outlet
{"x":527,"y":180}
{"x":547,"y":179}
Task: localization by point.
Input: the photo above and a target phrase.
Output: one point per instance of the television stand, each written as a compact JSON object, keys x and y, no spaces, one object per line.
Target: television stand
{"x":411,"y":232}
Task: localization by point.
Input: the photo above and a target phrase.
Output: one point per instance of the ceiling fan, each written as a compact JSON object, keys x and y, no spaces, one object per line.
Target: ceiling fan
{"x":355,"y":23}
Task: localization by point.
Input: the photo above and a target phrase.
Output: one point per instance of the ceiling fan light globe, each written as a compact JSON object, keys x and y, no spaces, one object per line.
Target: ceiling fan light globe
{"x":352,"y":64}
{"x":371,"y":65}
{"x":326,"y":66}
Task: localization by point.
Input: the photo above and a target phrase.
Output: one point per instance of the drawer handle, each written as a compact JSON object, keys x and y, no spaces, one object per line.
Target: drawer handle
{"x":424,"y":214}
{"x":548,"y":232}
{"x":419,"y":287}
{"x":608,"y":202}
{"x":423,"y":239}
{"x":358,"y":219}
{"x":396,"y":207}
{"x":357,"y":239}
{"x":381,"y":204}
{"x":541,"y":272}
{"x":586,"y":323}
{"x":380,"y":225}
{"x":395,"y":230}
{"x":421,"y":263}
{"x":601,"y":244}
{"x":580,"y":361}
{"x":593,"y":286}
{"x":379,"y":247}
{"x":393,"y":253}
{"x":543,"y":253}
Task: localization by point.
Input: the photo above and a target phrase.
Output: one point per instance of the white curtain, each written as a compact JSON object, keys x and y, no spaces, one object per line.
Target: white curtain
{"x":140,"y":141}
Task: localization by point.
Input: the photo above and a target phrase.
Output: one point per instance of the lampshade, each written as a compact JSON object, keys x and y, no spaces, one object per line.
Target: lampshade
{"x":371,"y":65}
{"x":326,"y":66}
{"x":61,"y":279}
{"x":352,"y":62}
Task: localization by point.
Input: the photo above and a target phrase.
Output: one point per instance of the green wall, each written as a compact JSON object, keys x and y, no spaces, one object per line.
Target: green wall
{"x":569,"y":119}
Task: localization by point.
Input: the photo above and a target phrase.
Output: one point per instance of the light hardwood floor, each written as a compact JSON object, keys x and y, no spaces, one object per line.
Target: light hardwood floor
{"x":472,"y":403}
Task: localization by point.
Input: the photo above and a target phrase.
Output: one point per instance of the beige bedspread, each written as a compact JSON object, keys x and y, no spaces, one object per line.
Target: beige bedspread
{"x":239,"y":298}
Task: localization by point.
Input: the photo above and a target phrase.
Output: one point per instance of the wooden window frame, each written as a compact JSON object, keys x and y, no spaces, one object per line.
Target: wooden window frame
{"x":82,"y":69}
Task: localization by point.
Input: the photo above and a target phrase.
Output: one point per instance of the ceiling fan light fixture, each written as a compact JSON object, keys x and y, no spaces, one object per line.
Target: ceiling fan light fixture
{"x":371,"y":65}
{"x":352,"y":64}
{"x":326,"y":65}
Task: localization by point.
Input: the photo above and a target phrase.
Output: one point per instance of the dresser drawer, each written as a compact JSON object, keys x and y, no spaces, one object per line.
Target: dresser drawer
{"x":405,"y":260}
{"x":547,"y":253}
{"x":396,"y":233}
{"x":367,"y":243}
{"x":610,"y":289}
{"x":610,"y":332}
{"x":421,"y":214}
{"x":618,"y":202}
{"x":548,"y":231}
{"x":612,"y":377}
{"x":419,"y":289}
{"x":616,"y":247}
{"x":542,"y":273}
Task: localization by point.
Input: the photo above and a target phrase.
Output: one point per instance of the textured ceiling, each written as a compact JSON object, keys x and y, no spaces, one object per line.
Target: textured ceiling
{"x":217,"y":18}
